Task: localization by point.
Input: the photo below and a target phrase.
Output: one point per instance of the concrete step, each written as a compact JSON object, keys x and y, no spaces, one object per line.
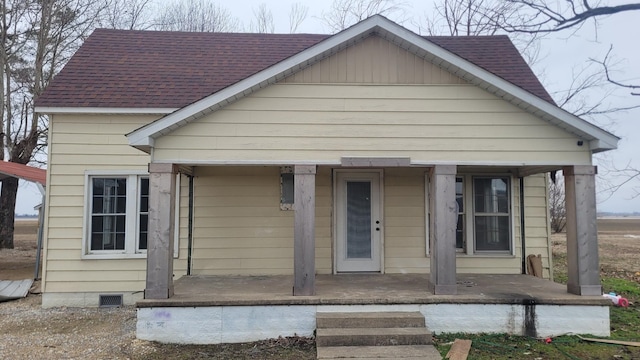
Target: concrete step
{"x":403,"y":352}
{"x":373,"y":336}
{"x":369,"y":320}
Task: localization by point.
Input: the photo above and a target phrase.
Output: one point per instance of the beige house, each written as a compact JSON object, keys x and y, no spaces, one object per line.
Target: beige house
{"x":373,"y":150}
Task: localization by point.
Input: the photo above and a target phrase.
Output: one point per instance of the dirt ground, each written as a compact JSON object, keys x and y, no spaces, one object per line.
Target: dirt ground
{"x":19,"y":263}
{"x":619,"y":247}
{"x":29,"y":332}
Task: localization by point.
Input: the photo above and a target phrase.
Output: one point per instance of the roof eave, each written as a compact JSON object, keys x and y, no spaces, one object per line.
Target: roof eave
{"x":405,"y":39}
{"x":50,"y":110}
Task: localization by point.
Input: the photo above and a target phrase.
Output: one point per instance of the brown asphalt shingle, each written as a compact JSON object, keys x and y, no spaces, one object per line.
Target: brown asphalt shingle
{"x":154,"y":69}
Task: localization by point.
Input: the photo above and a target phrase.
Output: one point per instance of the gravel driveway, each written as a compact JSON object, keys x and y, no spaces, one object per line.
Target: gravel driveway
{"x":29,"y":332}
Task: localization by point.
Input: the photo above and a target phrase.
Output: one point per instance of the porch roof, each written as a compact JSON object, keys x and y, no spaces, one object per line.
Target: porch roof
{"x":367,"y":289}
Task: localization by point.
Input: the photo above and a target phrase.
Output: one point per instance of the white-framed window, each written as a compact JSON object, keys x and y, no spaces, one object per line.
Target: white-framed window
{"x":484,"y":205}
{"x":117,"y":214}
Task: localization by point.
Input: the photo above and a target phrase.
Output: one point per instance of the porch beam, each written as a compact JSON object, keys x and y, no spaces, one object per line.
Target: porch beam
{"x":162,"y":197}
{"x":304,"y":253}
{"x":532,"y":170}
{"x":443,"y":229}
{"x":375,"y":161}
{"x":582,"y":233}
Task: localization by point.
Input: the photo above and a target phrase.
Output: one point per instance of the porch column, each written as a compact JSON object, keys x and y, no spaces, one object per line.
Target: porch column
{"x":162,"y":197}
{"x":582,"y":233}
{"x":443,"y":229}
{"x":304,"y":247}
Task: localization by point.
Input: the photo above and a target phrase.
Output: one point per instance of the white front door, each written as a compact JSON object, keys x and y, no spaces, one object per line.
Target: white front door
{"x":358,"y":222}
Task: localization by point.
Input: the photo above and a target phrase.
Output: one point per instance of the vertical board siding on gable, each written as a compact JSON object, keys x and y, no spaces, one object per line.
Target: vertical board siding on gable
{"x":239,"y":228}
{"x":318,"y":122}
{"x":90,"y":142}
{"x":374,"y":61}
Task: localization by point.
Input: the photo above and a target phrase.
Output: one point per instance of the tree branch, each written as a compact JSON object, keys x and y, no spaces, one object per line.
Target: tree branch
{"x":605,"y":66}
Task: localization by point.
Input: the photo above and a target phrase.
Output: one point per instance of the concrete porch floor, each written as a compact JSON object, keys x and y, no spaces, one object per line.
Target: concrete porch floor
{"x":367,"y":289}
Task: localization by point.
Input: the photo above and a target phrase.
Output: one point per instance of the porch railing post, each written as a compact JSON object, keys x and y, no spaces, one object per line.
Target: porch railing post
{"x":162,"y":197}
{"x":582,"y":232}
{"x":443,"y":226}
{"x":304,"y":253}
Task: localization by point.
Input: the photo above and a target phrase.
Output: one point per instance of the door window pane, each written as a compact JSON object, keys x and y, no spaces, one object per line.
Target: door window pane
{"x":358,"y":219}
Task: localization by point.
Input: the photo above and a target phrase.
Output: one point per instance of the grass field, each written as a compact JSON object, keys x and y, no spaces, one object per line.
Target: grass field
{"x":619,"y":251}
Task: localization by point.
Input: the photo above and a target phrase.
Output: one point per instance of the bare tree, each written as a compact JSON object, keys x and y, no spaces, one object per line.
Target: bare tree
{"x":471,"y":18}
{"x":262,"y":20}
{"x":588,"y":94}
{"x":464,"y":17}
{"x":128,"y":14}
{"x":297,"y":14}
{"x":557,"y":208}
{"x":197,"y":16}
{"x":606,"y":66}
{"x":549,"y":16}
{"x":545,"y":16}
{"x":37,"y":38}
{"x":344,"y":13}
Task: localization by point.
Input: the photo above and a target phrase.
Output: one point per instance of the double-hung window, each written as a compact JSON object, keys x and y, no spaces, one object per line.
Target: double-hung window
{"x":117,"y":215}
{"x":484,"y":214}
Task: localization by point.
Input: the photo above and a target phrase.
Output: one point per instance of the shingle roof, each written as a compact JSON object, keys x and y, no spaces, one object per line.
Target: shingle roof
{"x":154,"y":69}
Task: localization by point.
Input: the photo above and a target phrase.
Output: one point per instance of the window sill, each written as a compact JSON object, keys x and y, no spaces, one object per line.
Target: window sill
{"x":113,"y":256}
{"x":486,"y":255}
{"x":117,"y":256}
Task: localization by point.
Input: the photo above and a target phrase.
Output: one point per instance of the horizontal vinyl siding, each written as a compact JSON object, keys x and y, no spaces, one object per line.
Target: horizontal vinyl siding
{"x":316,"y":122}
{"x":79,"y":143}
{"x":239,"y":228}
{"x":404,"y":230}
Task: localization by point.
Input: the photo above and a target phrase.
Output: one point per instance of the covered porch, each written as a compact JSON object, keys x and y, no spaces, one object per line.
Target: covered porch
{"x":215,"y":309}
{"x":439,"y":226}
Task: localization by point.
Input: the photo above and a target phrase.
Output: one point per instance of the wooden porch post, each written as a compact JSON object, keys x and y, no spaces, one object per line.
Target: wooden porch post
{"x":304,"y":252}
{"x":582,"y":233}
{"x":443,"y":229}
{"x":162,"y":197}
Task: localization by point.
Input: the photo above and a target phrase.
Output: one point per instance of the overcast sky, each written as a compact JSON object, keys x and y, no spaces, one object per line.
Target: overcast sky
{"x":560,"y":56}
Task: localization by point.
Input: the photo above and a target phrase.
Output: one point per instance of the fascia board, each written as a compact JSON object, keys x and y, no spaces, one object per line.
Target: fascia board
{"x":103,"y":110}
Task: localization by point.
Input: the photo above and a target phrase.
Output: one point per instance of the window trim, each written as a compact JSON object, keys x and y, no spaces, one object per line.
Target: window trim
{"x":474,"y":213}
{"x":131,"y":250}
{"x":469,"y":212}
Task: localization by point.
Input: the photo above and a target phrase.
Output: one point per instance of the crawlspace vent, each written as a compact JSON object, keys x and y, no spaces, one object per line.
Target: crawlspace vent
{"x":108,"y":301}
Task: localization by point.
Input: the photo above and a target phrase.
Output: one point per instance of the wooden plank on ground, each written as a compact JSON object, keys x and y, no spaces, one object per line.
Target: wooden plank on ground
{"x":607,"y":341}
{"x":459,"y":350}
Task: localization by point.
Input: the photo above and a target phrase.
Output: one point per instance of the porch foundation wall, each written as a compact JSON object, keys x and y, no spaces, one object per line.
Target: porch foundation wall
{"x":234,"y":324}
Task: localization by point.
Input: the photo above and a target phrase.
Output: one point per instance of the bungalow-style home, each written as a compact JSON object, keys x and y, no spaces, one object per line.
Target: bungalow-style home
{"x":228,"y":184}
